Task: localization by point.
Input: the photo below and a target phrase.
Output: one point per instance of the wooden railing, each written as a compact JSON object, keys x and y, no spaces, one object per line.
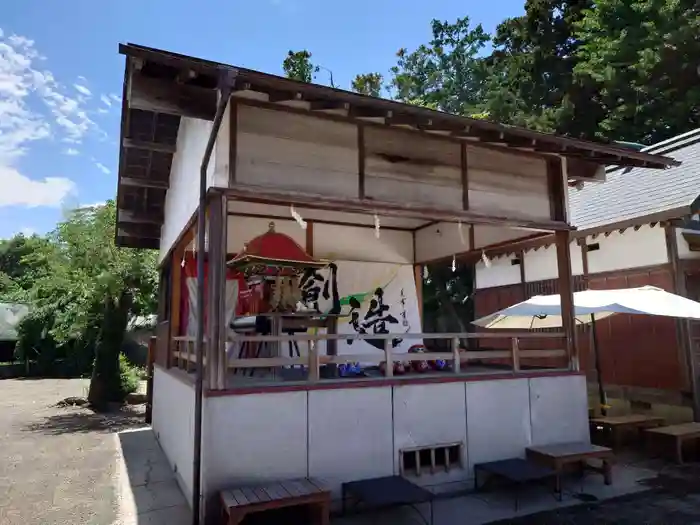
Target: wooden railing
{"x":183,"y":353}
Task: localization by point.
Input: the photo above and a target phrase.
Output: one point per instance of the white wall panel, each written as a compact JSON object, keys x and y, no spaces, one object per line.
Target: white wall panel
{"x":173,"y":424}
{"x":427,"y":415}
{"x":541,"y":264}
{"x":501,"y":272}
{"x":350,"y":243}
{"x":630,"y":249}
{"x":244,"y":229}
{"x":256,"y":437}
{"x":683,"y":249}
{"x":498,"y":420}
{"x":182,"y":197}
{"x":441,"y":240}
{"x":559,"y":409}
{"x":350,"y":435}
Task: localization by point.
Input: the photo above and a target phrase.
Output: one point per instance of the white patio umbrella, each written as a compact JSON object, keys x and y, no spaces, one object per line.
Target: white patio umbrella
{"x":544,"y":311}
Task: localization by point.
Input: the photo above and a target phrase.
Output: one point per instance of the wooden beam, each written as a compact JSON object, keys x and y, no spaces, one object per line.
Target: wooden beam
{"x":328,"y":105}
{"x":523,"y":282}
{"x":464,"y":171}
{"x":310,"y":238}
{"x":140,"y":231}
{"x":150,"y":146}
{"x":683,"y":332}
{"x":284,"y":96}
{"x":149,"y":217}
{"x":584,"y":261}
{"x":150,"y":94}
{"x":394,"y":209}
{"x":555,"y":183}
{"x":144,"y":183}
{"x":361,"y":161}
{"x":566,"y":291}
{"x":233,"y":141}
{"x":418,"y":277}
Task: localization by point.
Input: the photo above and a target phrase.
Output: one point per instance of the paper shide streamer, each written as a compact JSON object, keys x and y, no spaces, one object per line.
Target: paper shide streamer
{"x":454,"y":263}
{"x":461,"y":233}
{"x":376,"y":226}
{"x":295,"y":215}
{"x":487,"y":261}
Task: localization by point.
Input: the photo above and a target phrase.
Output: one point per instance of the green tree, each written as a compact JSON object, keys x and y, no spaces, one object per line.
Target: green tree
{"x":445,"y":74}
{"x":298,"y":66}
{"x":641,"y":58}
{"x":370,"y":84}
{"x":88,"y":292}
{"x":531,"y":71}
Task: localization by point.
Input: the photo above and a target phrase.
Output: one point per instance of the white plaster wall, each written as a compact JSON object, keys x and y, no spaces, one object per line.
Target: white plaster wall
{"x":341,"y":435}
{"x":251,"y":438}
{"x":241,"y":230}
{"x":683,"y":250}
{"x":428,"y":415}
{"x":182,"y":197}
{"x":618,"y":251}
{"x":541,"y":264}
{"x":501,"y":272}
{"x":173,"y":424}
{"x":441,"y":240}
{"x":444,"y":240}
{"x":348,"y":243}
{"x":559,"y":410}
{"x":350,"y":435}
{"x":498,"y":420}
{"x":630,"y":249}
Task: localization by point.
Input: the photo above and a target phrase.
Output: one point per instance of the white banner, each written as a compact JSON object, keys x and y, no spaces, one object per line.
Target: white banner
{"x":374,"y":298}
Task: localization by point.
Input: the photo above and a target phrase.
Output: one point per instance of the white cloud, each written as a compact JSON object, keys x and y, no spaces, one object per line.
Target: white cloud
{"x":94,"y":204}
{"x":71,"y":152}
{"x":106,"y":100}
{"x":18,"y":190}
{"x":104,"y":169}
{"x":115,"y":98}
{"x":82,"y":90}
{"x":35,"y":106}
{"x":27,"y":232}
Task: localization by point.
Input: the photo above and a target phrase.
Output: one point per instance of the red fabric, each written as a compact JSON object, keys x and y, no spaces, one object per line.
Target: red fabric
{"x":276,"y":246}
{"x":249,"y":299}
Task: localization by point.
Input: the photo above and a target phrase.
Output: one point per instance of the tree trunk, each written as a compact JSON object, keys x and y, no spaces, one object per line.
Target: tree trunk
{"x":105,"y":385}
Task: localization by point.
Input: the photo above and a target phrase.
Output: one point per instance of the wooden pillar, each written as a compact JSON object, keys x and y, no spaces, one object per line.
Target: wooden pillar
{"x":418,"y":278}
{"x":216,"y":291}
{"x":566,"y":291}
{"x":687,"y":358}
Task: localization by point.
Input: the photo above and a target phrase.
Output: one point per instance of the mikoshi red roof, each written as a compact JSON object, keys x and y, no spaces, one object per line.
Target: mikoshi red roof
{"x":273,"y":250}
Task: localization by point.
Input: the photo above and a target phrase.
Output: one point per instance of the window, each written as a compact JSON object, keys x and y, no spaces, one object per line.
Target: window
{"x":593,"y":247}
{"x":431,"y":459}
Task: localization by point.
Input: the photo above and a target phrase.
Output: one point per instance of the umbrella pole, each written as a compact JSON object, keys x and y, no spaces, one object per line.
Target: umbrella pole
{"x":601,"y":390}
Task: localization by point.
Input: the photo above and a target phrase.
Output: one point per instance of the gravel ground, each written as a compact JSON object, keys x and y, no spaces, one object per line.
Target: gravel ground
{"x":57,"y":465}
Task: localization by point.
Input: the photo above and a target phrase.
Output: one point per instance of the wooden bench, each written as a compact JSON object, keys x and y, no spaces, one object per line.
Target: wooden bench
{"x":617,"y":426}
{"x":679,"y":434}
{"x":237,"y":503}
{"x":559,"y":456}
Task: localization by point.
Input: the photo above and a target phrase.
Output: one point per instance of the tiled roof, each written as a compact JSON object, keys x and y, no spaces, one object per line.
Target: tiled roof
{"x":635,"y":193}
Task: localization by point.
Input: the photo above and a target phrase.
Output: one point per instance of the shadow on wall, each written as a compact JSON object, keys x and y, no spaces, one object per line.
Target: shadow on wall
{"x":149,"y":493}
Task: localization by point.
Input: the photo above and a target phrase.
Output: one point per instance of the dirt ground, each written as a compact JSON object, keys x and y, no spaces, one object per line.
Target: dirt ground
{"x":57,"y":465}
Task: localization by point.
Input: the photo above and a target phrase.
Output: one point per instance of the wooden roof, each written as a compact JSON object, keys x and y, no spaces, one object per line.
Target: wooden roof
{"x":160,"y":87}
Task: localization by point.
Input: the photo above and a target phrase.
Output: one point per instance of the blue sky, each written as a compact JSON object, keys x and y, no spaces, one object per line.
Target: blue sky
{"x":61,"y":75}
